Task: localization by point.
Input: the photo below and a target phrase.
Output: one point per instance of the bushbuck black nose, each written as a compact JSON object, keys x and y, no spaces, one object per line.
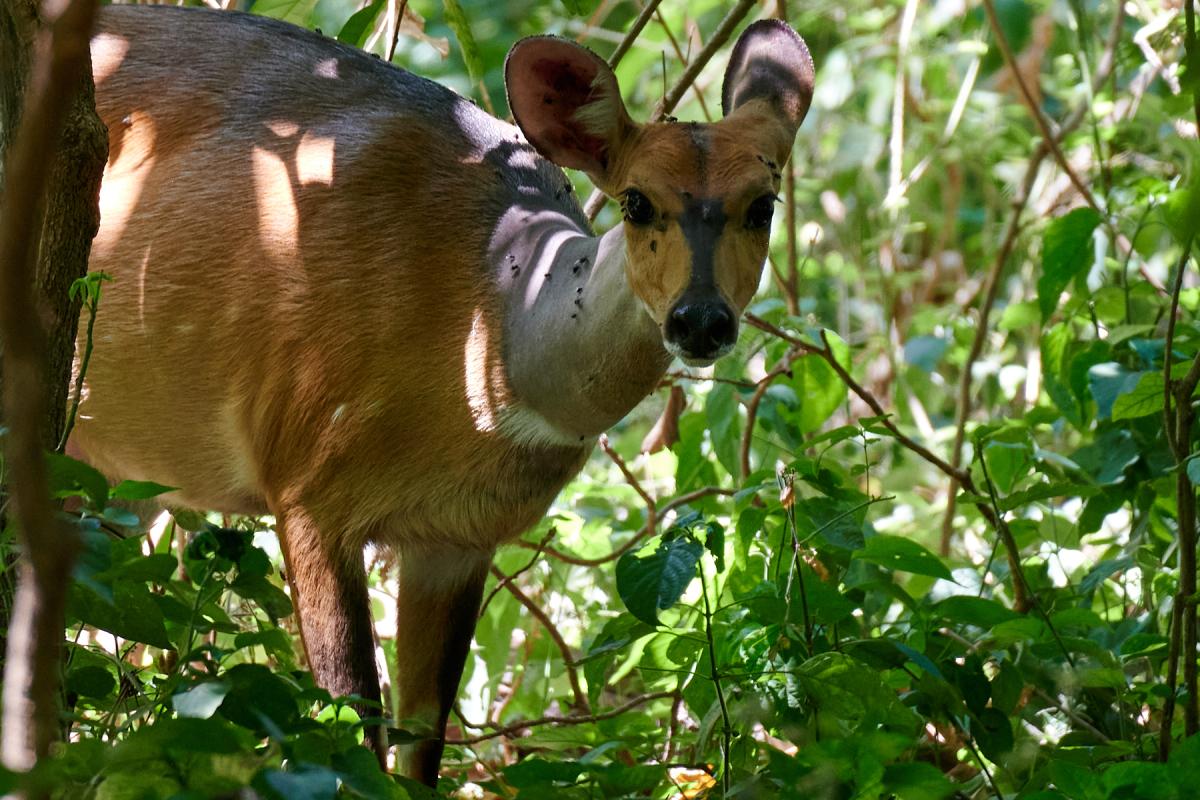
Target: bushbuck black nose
{"x":702,"y":330}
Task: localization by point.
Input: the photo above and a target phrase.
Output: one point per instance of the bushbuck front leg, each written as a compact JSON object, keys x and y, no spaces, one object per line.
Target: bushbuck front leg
{"x":329,"y":591}
{"x":438,"y":602}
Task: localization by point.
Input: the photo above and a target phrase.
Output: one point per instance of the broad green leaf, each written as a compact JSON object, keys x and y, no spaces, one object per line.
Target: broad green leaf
{"x":993,"y":732}
{"x":898,"y":553}
{"x":820,"y":390}
{"x":457,"y":19}
{"x":1056,"y":360}
{"x":303,"y":782}
{"x":1145,"y":398}
{"x":977,"y":611}
{"x":139,"y":490}
{"x":1108,"y":381}
{"x":721,"y":410}
{"x":70,"y":476}
{"x":917,"y":781}
{"x":1007,"y":462}
{"x":649,"y":584}
{"x":355,"y":31}
{"x":90,"y":681}
{"x":1066,"y":252}
{"x":1193,"y":469}
{"x":202,"y":700}
{"x":297,"y":12}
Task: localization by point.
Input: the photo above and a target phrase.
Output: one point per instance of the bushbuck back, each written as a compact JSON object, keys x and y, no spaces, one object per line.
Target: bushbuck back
{"x":348,"y":297}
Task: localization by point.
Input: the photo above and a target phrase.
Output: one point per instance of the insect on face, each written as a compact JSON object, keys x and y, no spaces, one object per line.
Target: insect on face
{"x":697,"y":199}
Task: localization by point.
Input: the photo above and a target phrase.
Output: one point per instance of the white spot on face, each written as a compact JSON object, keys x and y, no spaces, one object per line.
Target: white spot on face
{"x":338,"y":412}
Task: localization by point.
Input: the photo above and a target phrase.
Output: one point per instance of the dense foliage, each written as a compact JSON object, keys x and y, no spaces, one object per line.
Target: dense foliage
{"x":929,"y":532}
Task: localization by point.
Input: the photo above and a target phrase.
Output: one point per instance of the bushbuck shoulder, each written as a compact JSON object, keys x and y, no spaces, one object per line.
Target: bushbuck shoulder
{"x":348,"y":297}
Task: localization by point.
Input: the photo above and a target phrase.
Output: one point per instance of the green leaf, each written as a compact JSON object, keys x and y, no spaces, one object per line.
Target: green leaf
{"x":139,"y":490}
{"x":898,"y":553}
{"x":721,"y":411}
{"x":70,"y":477}
{"x":297,"y":12}
{"x":132,"y":614}
{"x":1145,"y":398}
{"x":993,"y":732}
{"x":355,"y":31}
{"x":91,"y":681}
{"x":1108,"y":381}
{"x":977,"y":611}
{"x":1007,"y":462}
{"x":820,"y":390}
{"x":649,"y":584}
{"x":1193,"y":469}
{"x":303,"y":782}
{"x":917,"y":781}
{"x":456,"y":18}
{"x":1066,"y":251}
{"x":202,"y":700}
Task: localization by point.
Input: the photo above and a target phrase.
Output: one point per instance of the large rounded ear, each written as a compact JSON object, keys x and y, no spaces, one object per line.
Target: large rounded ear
{"x":566,"y":101}
{"x":770,"y":64}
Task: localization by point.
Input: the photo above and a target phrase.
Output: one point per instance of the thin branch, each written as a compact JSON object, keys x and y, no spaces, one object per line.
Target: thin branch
{"x":581,"y":700}
{"x":580,"y":719}
{"x":634,"y":31}
{"x":397,"y":23}
{"x":1043,"y":124}
{"x":541,"y":546}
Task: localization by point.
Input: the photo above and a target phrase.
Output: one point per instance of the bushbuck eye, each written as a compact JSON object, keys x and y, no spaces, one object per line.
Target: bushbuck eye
{"x":760,"y":211}
{"x":637,"y":207}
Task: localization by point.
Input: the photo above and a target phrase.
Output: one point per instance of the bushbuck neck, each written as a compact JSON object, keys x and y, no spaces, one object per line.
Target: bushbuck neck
{"x":350,"y":298}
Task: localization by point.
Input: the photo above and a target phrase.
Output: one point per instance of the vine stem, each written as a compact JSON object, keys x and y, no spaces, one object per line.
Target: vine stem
{"x":726,"y":725}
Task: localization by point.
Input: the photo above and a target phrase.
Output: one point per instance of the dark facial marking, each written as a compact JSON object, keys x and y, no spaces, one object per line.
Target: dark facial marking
{"x":702,"y":223}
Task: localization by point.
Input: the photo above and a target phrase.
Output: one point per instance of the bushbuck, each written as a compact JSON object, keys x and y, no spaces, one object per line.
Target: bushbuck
{"x":348,"y":297}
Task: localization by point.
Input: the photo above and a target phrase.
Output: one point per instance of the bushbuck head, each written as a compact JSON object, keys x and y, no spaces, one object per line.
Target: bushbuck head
{"x":697,"y":198}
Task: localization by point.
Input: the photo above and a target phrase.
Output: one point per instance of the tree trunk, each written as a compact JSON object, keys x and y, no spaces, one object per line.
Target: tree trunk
{"x":63,"y":223}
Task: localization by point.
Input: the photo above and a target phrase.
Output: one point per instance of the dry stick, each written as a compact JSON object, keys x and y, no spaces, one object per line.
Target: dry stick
{"x":662,"y":23}
{"x":1030,"y":103}
{"x":580,"y":719}
{"x":399,"y":21}
{"x":30,"y":722}
{"x":963,"y":410}
{"x":671,"y":99}
{"x":651,"y":511}
{"x":581,"y":700}
{"x":646,"y":531}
